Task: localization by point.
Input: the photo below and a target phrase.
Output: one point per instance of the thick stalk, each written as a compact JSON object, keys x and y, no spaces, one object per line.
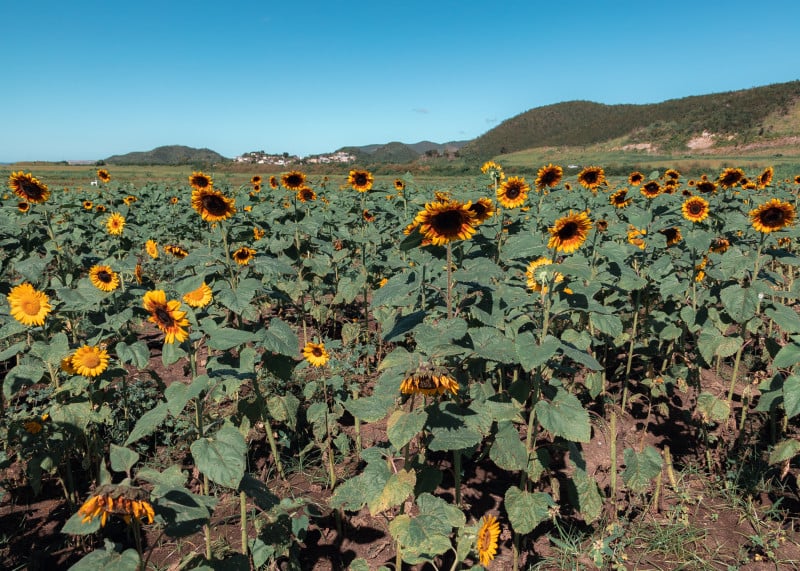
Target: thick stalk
{"x":457,"y":475}
{"x":243,"y":520}
{"x":629,"y":364}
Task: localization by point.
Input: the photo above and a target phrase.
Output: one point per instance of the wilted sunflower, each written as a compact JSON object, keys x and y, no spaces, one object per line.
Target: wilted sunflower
{"x":483,"y":209}
{"x":360,"y":180}
{"x":635,"y":237}
{"x":620,"y":198}
{"x":212,"y":205}
{"x":103,"y":175}
{"x":28,"y":187}
{"x":104,"y":278}
{"x":200,"y":181}
{"x":258,"y":233}
{"x":399,"y":184}
{"x":700,"y":272}
{"x":368,"y":216}
{"x":67,"y":367}
{"x":115,"y":223}
{"x":486,"y":542}
{"x":315,"y":354}
{"x":494,"y":170}
{"x":166,"y":315}
{"x":730,"y":177}
{"x":650,"y":189}
{"x":601,"y":225}
{"x":538,"y":276}
{"x":635,"y":178}
{"x":243,"y":255}
{"x":28,"y":306}
{"x":569,"y":232}
{"x":125,"y":501}
{"x":446,"y":220}
{"x":719,"y":245}
{"x":255,"y":179}
{"x":24,"y":206}
{"x":130,"y":199}
{"x":152,"y":249}
{"x":548,"y":176}
{"x":176,"y":251}
{"x":773,"y":215}
{"x":273,"y":182}
{"x":672,"y":174}
{"x":748,"y":184}
{"x":199,"y":297}
{"x":592,"y":177}
{"x":513,"y":192}
{"x":673,"y":235}
{"x":293,"y":180}
{"x":427,"y":382}
{"x":306,"y":194}
{"x":90,"y":361}
{"x":137,"y":273}
{"x":695,"y":209}
{"x":765,"y":178}
{"x":87,"y":205}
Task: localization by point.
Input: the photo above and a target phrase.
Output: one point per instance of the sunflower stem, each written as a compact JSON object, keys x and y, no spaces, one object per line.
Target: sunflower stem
{"x":457,"y":476}
{"x":449,"y":281}
{"x":629,"y":364}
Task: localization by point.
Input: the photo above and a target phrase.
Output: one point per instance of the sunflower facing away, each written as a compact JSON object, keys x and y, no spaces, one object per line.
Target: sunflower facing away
{"x":635,"y":178}
{"x":719,"y":245}
{"x":695,"y":209}
{"x":315,"y":354}
{"x":28,"y":187}
{"x":151,"y":247}
{"x":293,"y":180}
{"x":513,"y":192}
{"x":548,"y":176}
{"x":538,"y":276}
{"x":90,"y":361}
{"x":199,"y":297}
{"x":443,"y":221}
{"x":486,"y":542}
{"x":104,"y":278}
{"x":306,"y":194}
{"x":115,"y":224}
{"x":212,"y":205}
{"x":483,"y":209}
{"x":592,"y":177}
{"x":200,"y":181}
{"x":427,"y":382}
{"x":773,"y":215}
{"x":635,"y":237}
{"x":273,"y":182}
{"x":569,"y":232}
{"x":28,"y":306}
{"x":360,"y":180}
{"x":730,"y":177}
{"x":103,"y":175}
{"x":124,"y":501}
{"x":620,"y":198}
{"x":243,"y":255}
{"x":166,"y":315}
{"x":673,"y":235}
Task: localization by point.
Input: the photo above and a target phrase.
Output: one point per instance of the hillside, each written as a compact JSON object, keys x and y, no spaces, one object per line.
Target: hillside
{"x":169,"y":155}
{"x":399,"y":153}
{"x":729,"y":119}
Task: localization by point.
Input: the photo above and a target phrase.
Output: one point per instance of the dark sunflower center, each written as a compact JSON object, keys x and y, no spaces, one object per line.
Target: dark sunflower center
{"x":32,"y":190}
{"x":104,"y":276}
{"x":651,"y":187}
{"x":448,"y":222}
{"x":361,"y":179}
{"x":479,"y":209}
{"x":513,"y":191}
{"x":201,"y":182}
{"x":164,"y":316}
{"x":773,"y":217}
{"x":549,"y":178}
{"x":293,"y":180}
{"x":316,"y":351}
{"x":590,"y":177}
{"x":214,"y":204}
{"x":620,"y":198}
{"x":568,"y":230}
{"x":695,"y":208}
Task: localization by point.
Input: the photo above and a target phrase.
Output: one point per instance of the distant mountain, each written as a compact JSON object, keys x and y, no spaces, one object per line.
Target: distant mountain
{"x":169,"y":155}
{"x":396,"y":152}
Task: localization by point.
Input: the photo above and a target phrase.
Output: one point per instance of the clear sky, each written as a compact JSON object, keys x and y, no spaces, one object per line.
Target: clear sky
{"x":88,"y":79}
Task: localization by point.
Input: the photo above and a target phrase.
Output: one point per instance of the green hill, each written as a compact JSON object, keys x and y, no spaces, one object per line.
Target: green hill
{"x":169,"y":155}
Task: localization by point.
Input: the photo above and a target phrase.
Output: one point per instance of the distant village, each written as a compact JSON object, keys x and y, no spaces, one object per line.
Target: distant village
{"x":285,"y":159}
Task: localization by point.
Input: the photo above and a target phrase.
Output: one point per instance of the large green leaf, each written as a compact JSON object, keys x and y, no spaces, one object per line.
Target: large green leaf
{"x":565,"y":416}
{"x":122,"y":459}
{"x":641,"y":468}
{"x":740,"y":303}
{"x":590,"y":502}
{"x":508,"y":450}
{"x":366,"y":487}
{"x":532,"y":354}
{"x":109,"y":559}
{"x":450,"y":428}
{"x":526,"y":510}
{"x":712,"y":409}
{"x":280,"y":338}
{"x":791,"y":395}
{"x":402,"y":426}
{"x":786,"y":317}
{"x":788,"y":356}
{"x":221,"y":457}
{"x":398,"y":487}
{"x":426,"y":535}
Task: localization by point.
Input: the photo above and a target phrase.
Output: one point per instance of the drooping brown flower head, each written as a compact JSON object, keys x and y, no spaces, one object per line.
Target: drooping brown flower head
{"x":176,"y":251}
{"x":569,"y":232}
{"x":28,"y":187}
{"x":212,"y":205}
{"x":429,"y":381}
{"x":719,"y":245}
{"x":773,"y":215}
{"x":125,"y":501}
{"x":273,"y":182}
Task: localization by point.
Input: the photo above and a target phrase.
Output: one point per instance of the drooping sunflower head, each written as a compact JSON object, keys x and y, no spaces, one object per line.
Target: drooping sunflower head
{"x":212,"y":205}
{"x":797,"y":179}
{"x":673,"y":235}
{"x":28,"y":305}
{"x":706,"y":186}
{"x":513,"y":192}
{"x":494,"y":170}
{"x":636,"y":237}
{"x":719,"y":245}
{"x":548,"y":176}
{"x":670,"y":186}
{"x":199,"y":297}
{"x":429,"y":381}
{"x":127,"y":502}
{"x":90,"y":361}
{"x":695,"y":209}
{"x":258,"y":233}
{"x":293,"y":180}
{"x":730,"y":177}
{"x":765,"y":178}
{"x":592,"y":177}
{"x":306,"y":194}
{"x":635,"y":178}
{"x":200,"y":181}
{"x":539,"y":275}
{"x":166,"y":315}
{"x":601,"y":225}
{"x":486,"y":541}
{"x":100,"y":208}
{"x":569,"y":232}
{"x":115,"y":224}
{"x":243,"y":255}
{"x":443,"y":221}
{"x":360,"y":180}
{"x":650,"y":189}
{"x":620,"y":198}
{"x":483,"y":209}
{"x":130,"y":199}
{"x":103,"y":175}
{"x":28,"y":187}
{"x":315,"y":354}
{"x":773,"y":215}
{"x":104,"y":278}
{"x":176,"y":251}
{"x":151,"y":247}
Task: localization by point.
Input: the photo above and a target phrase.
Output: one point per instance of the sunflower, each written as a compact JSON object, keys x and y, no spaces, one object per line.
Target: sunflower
{"x":797,"y":179}
{"x":719,"y":245}
{"x":601,"y":225}
{"x":486,"y":542}
{"x":152,"y":249}
{"x":360,"y":180}
{"x":673,"y":235}
{"x":173,"y":200}
{"x":176,"y":251}
{"x":446,"y":220}
{"x":765,"y":178}
{"x":315,"y":354}
{"x":166,"y":315}
{"x":103,"y":175}
{"x":620,"y":198}
{"x":255,"y":180}
{"x":137,"y":273}
{"x":104,"y":278}
{"x":695,"y":209}
{"x":548,"y":176}
{"x":538,"y":276}
{"x":67,"y":366}
{"x":493,"y":169}
{"x":32,"y":427}
{"x":730,"y":177}
{"x":784,"y":242}
{"x":24,"y":206}
{"x":706,"y":186}
{"x":399,"y":184}
{"x":592,"y":177}
{"x":293,"y":180}
{"x":87,"y":205}
{"x":258,"y":233}
{"x":243,"y":255}
{"x":635,"y":237}
{"x":130,"y":199}
{"x":650,"y":189}
{"x":368,"y":216}
{"x":306,"y":194}
{"x":569,"y":232}
{"x":273,"y":182}
{"x":28,"y":306}
{"x":635,"y":178}
{"x":513,"y":192}
{"x":200,"y":181}
{"x":773,"y":215}
{"x":427,"y":382}
{"x":483,"y":209}
{"x":28,"y":187}
{"x":212,"y":205}
{"x":90,"y":361}
{"x":672,"y":174}
{"x":670,"y":186}
{"x":700,"y":272}
{"x":125,"y":501}
{"x":256,"y":189}
{"x":115,"y":223}
{"x":199,"y":297}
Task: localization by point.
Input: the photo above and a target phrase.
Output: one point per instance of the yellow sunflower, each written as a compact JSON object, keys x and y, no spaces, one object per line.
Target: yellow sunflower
{"x":90,"y":361}
{"x":293,"y":180}
{"x":672,"y":174}
{"x":483,"y":209}
{"x":486,"y":543}
{"x":212,"y":205}
{"x":255,"y":180}
{"x":773,"y":215}
{"x":592,"y":177}
{"x":67,"y":367}
{"x":199,"y":297}
{"x":115,"y":223}
{"x":569,"y":232}
{"x":28,"y":187}
{"x":243,"y":255}
{"x":87,"y":205}
{"x":200,"y":181}
{"x":797,"y":179}
{"x":719,"y":245}
{"x":446,"y":220}
{"x":635,"y":237}
{"x":673,"y":235}
{"x":306,"y":194}
{"x":650,"y":189}
{"x":103,"y":175}
{"x":28,"y":306}
{"x":258,"y":233}
{"x":24,"y":206}
{"x":273,"y":182}
{"x":399,"y":184}
{"x":548,"y":176}
{"x":173,"y":200}
{"x":104,"y":278}
{"x":601,"y":225}
{"x":125,"y":501}
{"x":368,"y":216}
{"x":427,"y":382}
{"x":152,"y":249}
{"x":513,"y":192}
{"x":635,"y":178}
{"x":176,"y":251}
{"x":730,"y":177}
{"x":166,"y":315}
{"x":493,"y":169}
{"x":538,"y":276}
{"x":695,"y":209}
{"x":765,"y":178}
{"x":360,"y":180}
{"x":705,"y":186}
{"x":315,"y":354}
{"x":620,"y":198}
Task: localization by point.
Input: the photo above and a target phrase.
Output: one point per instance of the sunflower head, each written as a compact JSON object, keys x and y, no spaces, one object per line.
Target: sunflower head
{"x":273,"y":182}
{"x":176,"y":251}
{"x":650,"y":189}
{"x":28,"y":305}
{"x":151,"y":247}
{"x":494,"y":170}
{"x":673,"y":235}
{"x":212,"y":205}
{"x":199,"y":297}
{"x":443,"y":221}
{"x":115,"y":224}
{"x":429,"y":381}
{"x":360,"y":180}
{"x":315,"y":354}
{"x":166,"y":315}
{"x":399,"y":184}
{"x":635,"y":178}
{"x":28,"y":187}
{"x":90,"y":361}
{"x":773,"y":215}
{"x":293,"y":180}
{"x":636,"y":237}
{"x":695,"y":209}
{"x":765,"y":178}
{"x":592,"y":178}
{"x":706,"y":186}
{"x":719,"y":245}
{"x":486,"y":541}
{"x":87,"y":205}
{"x":127,"y":502}
{"x":548,"y":176}
{"x":730,"y":177}
{"x":200,"y":181}
{"x":24,"y":206}
{"x":104,"y":278}
{"x":243,"y":255}
{"x":672,"y":174}
{"x":540,"y":276}
{"x":483,"y":209}
{"x":255,"y":179}
{"x":306,"y":194}
{"x":103,"y":175}
{"x":569,"y":232}
{"x":620,"y":198}
{"x":513,"y":192}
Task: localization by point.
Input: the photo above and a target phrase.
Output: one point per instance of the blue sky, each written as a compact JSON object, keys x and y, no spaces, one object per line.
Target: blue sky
{"x":89,"y":79}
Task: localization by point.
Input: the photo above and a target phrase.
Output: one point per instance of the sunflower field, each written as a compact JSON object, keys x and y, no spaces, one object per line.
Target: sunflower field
{"x":237,"y":372}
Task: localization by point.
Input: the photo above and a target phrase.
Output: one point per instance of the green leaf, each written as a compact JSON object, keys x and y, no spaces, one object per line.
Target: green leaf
{"x":427,"y":535}
{"x":56,"y":348}
{"x":185,"y":513}
{"x":171,"y":353}
{"x":783,"y":451}
{"x":280,"y":338}
{"x":136,"y":354}
{"x":366,"y":487}
{"x":531,"y":354}
{"x":283,"y":408}
{"x":791,"y":395}
{"x":224,"y":338}
{"x":641,"y":468}
{"x":526,"y":510}
{"x":21,"y":376}
{"x":739,"y":302}
{"x":403,"y":426}
{"x":399,"y":486}
{"x":148,"y":423}
{"x":75,"y":526}
{"x":785,"y":317}
{"x":788,"y":356}
{"x":221,"y":457}
{"x":590,"y":501}
{"x":109,"y":560}
{"x":489,"y":343}
{"x":711,"y":409}
{"x":372,"y":408}
{"x":449,"y":428}
{"x":607,"y":324}
{"x":508,"y":450}
{"x":565,"y":416}
{"x":122,"y":459}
